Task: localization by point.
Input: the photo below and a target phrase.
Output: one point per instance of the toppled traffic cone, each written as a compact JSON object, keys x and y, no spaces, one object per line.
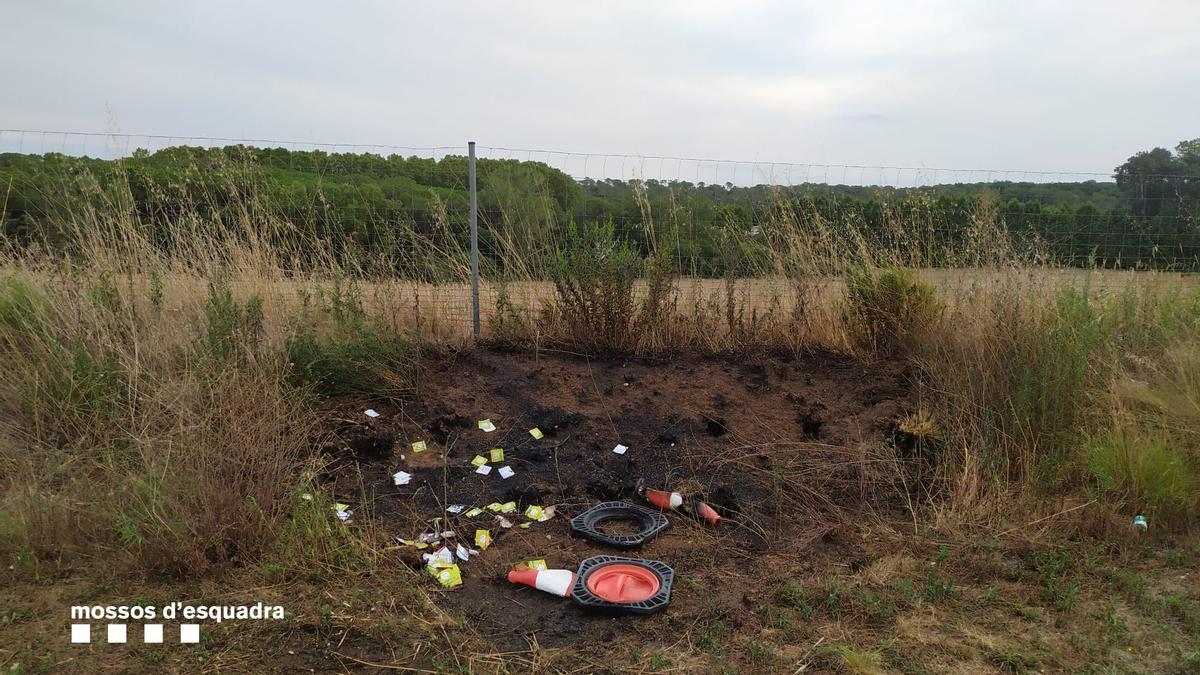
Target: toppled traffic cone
{"x":663,"y":499}
{"x":556,"y":582}
{"x":705,"y":511}
{"x":606,"y":583}
{"x":666,"y":500}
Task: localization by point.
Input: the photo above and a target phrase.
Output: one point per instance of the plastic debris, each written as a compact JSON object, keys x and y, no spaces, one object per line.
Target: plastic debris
{"x":506,"y":472}
{"x":402,"y":477}
{"x":371,"y":412}
{"x":504,"y":522}
{"x":524,"y":526}
{"x":494,"y":506}
{"x":483,"y":539}
{"x":508,"y":507}
{"x":1140,"y":523}
{"x":442,"y":555}
{"x":429,"y":537}
{"x":620,"y":449}
{"x":484,"y":469}
{"x":487,"y":426}
{"x":478,"y":460}
{"x":473,"y":512}
{"x":497,"y":454}
{"x":343,"y":511}
{"x":531,"y":565}
{"x":456,"y":508}
{"x":418,"y":446}
{"x":447,"y":574}
{"x":462,"y":552}
{"x":410,"y":542}
{"x":536,"y":433}
{"x":547,"y":514}
{"x":533,"y":512}
{"x":649,"y":523}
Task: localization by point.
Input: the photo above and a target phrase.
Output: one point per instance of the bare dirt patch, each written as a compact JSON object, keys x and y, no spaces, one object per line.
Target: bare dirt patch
{"x":779,"y":444}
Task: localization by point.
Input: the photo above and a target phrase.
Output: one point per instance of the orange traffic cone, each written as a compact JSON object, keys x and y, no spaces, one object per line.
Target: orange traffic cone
{"x":706,"y":512}
{"x":558,"y":582}
{"x":663,"y":499}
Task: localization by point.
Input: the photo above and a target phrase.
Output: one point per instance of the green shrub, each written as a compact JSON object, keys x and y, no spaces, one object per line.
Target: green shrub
{"x":350,"y":353}
{"x":231,"y":329}
{"x":885,"y":309}
{"x":593,"y":279}
{"x":1150,"y":473}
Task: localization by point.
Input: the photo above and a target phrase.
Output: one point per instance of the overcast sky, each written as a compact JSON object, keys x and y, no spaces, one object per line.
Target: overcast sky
{"x":1009,"y":85}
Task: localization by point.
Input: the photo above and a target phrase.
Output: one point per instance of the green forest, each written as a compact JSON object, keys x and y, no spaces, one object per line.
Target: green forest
{"x":381,"y":209}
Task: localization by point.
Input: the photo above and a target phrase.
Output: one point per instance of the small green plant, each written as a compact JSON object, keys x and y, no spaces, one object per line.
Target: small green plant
{"x":790,"y":594}
{"x":1011,"y":660}
{"x":937,"y":586}
{"x":833,"y":601}
{"x":1056,"y":573}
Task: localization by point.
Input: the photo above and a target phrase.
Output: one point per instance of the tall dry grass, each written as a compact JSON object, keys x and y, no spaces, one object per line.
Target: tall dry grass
{"x":159,"y":409}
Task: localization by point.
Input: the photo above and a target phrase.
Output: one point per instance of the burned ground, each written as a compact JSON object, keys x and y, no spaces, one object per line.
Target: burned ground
{"x":782,"y":446}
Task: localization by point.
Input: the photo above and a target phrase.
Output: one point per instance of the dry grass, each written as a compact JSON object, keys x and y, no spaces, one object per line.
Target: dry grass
{"x":152,"y":418}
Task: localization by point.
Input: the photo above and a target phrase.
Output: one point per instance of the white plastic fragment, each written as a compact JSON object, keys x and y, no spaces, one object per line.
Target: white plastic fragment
{"x":547,"y":514}
{"x":462,"y":552}
{"x":506,"y":472}
{"x":402,"y":477}
{"x":620,"y":449}
{"x":442,"y":555}
{"x":487,"y":425}
{"x":484,"y":469}
{"x":371,"y":412}
{"x":504,"y":522}
{"x":456,"y":508}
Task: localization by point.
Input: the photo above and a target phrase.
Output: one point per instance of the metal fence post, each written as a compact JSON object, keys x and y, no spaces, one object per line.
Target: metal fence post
{"x":474,"y":239}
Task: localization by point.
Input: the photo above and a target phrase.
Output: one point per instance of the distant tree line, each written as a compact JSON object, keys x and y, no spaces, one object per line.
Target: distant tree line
{"x":372,"y":207}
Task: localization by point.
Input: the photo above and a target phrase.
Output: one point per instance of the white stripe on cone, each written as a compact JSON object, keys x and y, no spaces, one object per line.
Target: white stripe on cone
{"x":557,"y":582}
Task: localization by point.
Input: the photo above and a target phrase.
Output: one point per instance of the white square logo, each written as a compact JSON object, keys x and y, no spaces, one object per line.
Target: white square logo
{"x":152,"y":633}
{"x":81,"y":633}
{"x":189,"y":633}
{"x":116,"y":633}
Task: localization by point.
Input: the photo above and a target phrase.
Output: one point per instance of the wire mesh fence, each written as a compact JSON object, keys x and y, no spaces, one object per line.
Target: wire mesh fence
{"x":401,"y":215}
